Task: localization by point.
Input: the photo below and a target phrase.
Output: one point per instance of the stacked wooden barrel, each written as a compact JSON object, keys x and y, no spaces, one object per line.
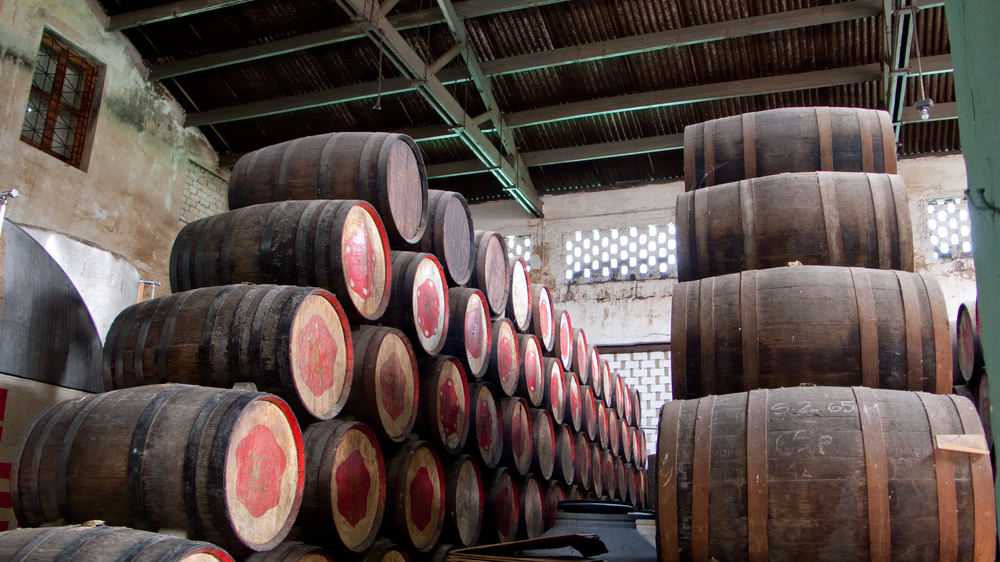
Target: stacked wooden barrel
{"x":343,"y":360}
{"x":970,"y":372}
{"x":795,"y":255}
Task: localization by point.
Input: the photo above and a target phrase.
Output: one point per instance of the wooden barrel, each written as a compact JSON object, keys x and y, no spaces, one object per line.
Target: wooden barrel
{"x":574,"y":403}
{"x":415,"y":489}
{"x":503,"y":507}
{"x":638,"y":452}
{"x":581,"y":461}
{"x":589,"y":407}
{"x":277,"y":243}
{"x":543,"y":324}
{"x":621,"y":480}
{"x":418,"y":304}
{"x":614,"y":433}
{"x":519,"y":298}
{"x":292,"y":551}
{"x":565,"y":454}
{"x":469,"y":330}
{"x":636,"y":400}
{"x":620,"y":399}
{"x":225,"y":465}
{"x":485,"y":440}
{"x":491,"y":272}
{"x":626,"y":447}
{"x":812,"y":324}
{"x":596,"y":470}
{"x":970,"y":347}
{"x":575,"y":493}
{"x":543,"y":437}
{"x":449,"y":235}
{"x":609,"y":475}
{"x":643,"y":450}
{"x":603,"y":429}
{"x":836,"y":218}
{"x":531,"y":376}
{"x":594,"y":367}
{"x":554,"y":493}
{"x":102,"y":543}
{"x":344,"y":498}
{"x":531,"y":525}
{"x":983,"y":406}
{"x":386,"y":384}
{"x":441,"y":553}
{"x":384,"y":169}
{"x":384,"y":551}
{"x":832,"y":473}
{"x":554,"y":394}
{"x":505,"y":357}
{"x":642,"y":487}
{"x":443,"y":408}
{"x":608,"y":383}
{"x":792,"y":139}
{"x":518,"y":437}
{"x":581,"y":359}
{"x":291,"y":341}
{"x":465,"y":502}
{"x":563,"y":339}
{"x":631,"y":485}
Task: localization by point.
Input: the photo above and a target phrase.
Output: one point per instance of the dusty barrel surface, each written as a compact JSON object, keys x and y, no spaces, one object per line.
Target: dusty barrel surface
{"x":531,"y":375}
{"x":416,"y":496}
{"x":340,"y":246}
{"x":518,"y":438}
{"x":225,"y":465}
{"x":503,"y":507}
{"x":491,"y":273}
{"x":418,"y":303}
{"x":292,"y":551}
{"x":505,"y":357}
{"x":469,"y":330}
{"x":818,"y":218}
{"x":543,"y":436}
{"x":465,"y":502}
{"x":811,"y":324}
{"x":291,"y":341}
{"x":485,"y":440}
{"x":563,"y":339}
{"x":383,"y":169}
{"x":386,"y":385}
{"x":543,"y":324}
{"x":532,"y":522}
{"x":344,"y":498}
{"x":449,"y":235}
{"x":443,"y":407}
{"x":103,"y":544}
{"x":970,"y":348}
{"x":897,"y":494}
{"x":793,"y":139}
{"x":519,"y":296}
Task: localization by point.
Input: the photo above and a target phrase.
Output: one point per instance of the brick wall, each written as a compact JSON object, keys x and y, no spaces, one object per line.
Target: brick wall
{"x":206,"y":193}
{"x":649,"y":373}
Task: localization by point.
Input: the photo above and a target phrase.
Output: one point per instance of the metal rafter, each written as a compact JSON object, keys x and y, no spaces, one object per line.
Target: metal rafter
{"x":165,"y":12}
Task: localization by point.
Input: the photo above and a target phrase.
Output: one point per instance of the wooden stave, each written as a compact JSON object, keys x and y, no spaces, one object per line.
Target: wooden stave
{"x":429,"y":411}
{"x":460,"y":300}
{"x":397,"y":473}
{"x":543,"y":437}
{"x":531,"y":524}
{"x":235,"y":343}
{"x":934,"y":349}
{"x":472,"y":445}
{"x":316,"y":518}
{"x":543,"y":320}
{"x":152,"y":412}
{"x":777,"y":514}
{"x":274,"y":243}
{"x":366,"y":158}
{"x":503,"y":329}
{"x":519,"y":310}
{"x":498,"y":481}
{"x":400,"y":311}
{"x":455,"y":515}
{"x":511,"y":407}
{"x":98,"y":544}
{"x":839,"y":218}
{"x":800,"y":149}
{"x":496,"y":291}
{"x":292,"y":551}
{"x":363,"y":400}
{"x":448,"y":241}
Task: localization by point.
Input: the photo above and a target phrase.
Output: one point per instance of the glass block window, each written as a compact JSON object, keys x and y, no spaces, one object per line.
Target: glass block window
{"x":950,"y":228}
{"x":59,"y":104}
{"x":622,"y":254}
{"x":649,"y":373}
{"x":520,"y":247}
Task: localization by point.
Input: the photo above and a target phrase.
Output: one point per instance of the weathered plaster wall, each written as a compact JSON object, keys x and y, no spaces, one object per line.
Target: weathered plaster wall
{"x":127,"y":199}
{"x":639,"y":311}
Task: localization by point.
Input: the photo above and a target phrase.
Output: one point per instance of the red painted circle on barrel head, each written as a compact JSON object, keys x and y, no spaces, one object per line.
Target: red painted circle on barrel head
{"x":260,"y":463}
{"x":507,"y":361}
{"x":505,"y":509}
{"x":429,"y":307}
{"x":545,"y":315}
{"x":421,"y":498}
{"x":321,"y":349}
{"x":449,"y":408}
{"x":519,"y":432}
{"x":394,"y":387}
{"x":353,"y":485}
{"x":361,"y":264}
{"x":531,"y":363}
{"x":565,"y":340}
{"x":574,"y":398}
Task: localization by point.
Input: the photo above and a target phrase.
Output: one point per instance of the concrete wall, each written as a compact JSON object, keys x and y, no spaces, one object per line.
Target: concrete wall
{"x":627,"y":312}
{"x":127,"y":198}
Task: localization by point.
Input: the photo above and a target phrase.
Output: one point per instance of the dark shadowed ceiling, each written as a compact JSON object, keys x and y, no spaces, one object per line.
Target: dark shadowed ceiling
{"x":547,"y":96}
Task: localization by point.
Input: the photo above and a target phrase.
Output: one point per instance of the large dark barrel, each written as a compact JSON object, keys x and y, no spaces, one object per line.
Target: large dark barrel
{"x":491,"y":273}
{"x":813,"y":324}
{"x":344,"y":497}
{"x":465,"y":500}
{"x":970,"y":348}
{"x":418,"y":304}
{"x":823,"y":473}
{"x":291,"y":341}
{"x":416,"y":496}
{"x":505,"y":357}
{"x":443,"y":407}
{"x":225,"y":465}
{"x":449,"y":235}
{"x":386,"y":384}
{"x":519,"y":295}
{"x":101,"y":543}
{"x":383,"y":169}
{"x":485,"y":440}
{"x":469,"y":330}
{"x":340,"y":246}
{"x":793,"y":139}
{"x":292,"y":551}
{"x":817,"y":218}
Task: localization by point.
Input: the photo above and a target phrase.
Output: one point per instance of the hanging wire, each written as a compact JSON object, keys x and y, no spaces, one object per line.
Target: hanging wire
{"x":378,"y":99}
{"x":916,"y":42}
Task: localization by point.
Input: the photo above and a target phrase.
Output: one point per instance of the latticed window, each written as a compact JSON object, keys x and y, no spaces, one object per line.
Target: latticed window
{"x":622,"y":254}
{"x":950,"y":228}
{"x":520,"y":247}
{"x":62,"y":91}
